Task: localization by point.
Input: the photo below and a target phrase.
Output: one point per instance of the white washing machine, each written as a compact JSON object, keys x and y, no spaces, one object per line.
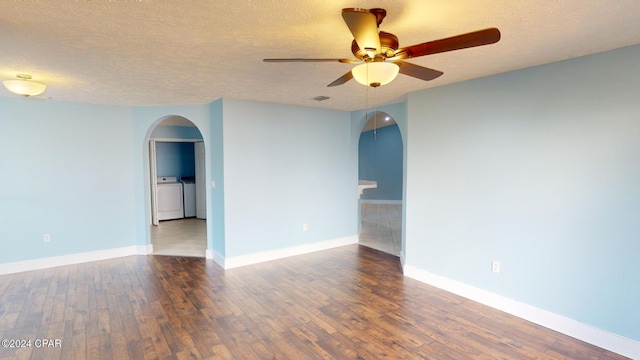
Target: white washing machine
{"x":169,"y":198}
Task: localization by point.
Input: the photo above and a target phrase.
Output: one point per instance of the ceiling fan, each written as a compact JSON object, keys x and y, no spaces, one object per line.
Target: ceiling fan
{"x":380,"y":56}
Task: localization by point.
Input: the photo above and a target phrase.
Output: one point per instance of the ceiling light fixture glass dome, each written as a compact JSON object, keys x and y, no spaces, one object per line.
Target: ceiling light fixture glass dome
{"x":375,"y":73}
{"x":24,"y":87}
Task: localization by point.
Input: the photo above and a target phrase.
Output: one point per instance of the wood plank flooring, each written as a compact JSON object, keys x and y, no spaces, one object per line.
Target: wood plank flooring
{"x":345,"y":303}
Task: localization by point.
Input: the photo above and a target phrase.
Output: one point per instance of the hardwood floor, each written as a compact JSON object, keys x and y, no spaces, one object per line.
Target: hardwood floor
{"x":345,"y":303}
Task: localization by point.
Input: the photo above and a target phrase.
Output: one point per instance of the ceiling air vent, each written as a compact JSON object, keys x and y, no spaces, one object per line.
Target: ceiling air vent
{"x":320,"y":98}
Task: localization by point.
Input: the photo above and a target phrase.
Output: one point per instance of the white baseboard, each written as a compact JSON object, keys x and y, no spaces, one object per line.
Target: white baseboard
{"x":44,"y":263}
{"x":374,"y":201}
{"x":145,"y":250}
{"x":255,"y":258}
{"x":215,"y":256}
{"x":570,"y":327}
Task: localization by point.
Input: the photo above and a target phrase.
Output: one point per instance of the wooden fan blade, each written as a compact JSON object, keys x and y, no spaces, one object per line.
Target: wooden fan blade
{"x":417,"y":71}
{"x":364,"y":27}
{"x":342,"y":79}
{"x":345,"y":61}
{"x":472,"y":39}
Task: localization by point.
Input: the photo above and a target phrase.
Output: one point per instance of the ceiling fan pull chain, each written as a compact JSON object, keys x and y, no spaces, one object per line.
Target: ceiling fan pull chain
{"x":375,"y":115}
{"x":366,"y":106}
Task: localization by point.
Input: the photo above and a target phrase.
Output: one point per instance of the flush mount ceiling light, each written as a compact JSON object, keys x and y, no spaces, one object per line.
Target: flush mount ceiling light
{"x":24,"y":87}
{"x":375,"y":73}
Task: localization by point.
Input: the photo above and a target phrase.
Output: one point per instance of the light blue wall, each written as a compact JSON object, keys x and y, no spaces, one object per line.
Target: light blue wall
{"x":215,"y":223}
{"x":380,"y":159}
{"x":67,"y":170}
{"x":175,"y":159}
{"x":540,"y":170}
{"x":306,"y":185}
{"x":285,"y":166}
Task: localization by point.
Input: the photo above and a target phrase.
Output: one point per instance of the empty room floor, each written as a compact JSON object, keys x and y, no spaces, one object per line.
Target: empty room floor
{"x":181,"y":237}
{"x":381,"y":227}
{"x":350,"y":302}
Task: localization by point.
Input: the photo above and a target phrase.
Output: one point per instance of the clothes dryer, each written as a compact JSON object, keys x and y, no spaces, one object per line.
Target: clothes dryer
{"x":189,"y":195}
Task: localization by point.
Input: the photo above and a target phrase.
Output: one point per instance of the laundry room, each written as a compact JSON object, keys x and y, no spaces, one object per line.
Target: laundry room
{"x":178,"y":196}
{"x":175,"y":164}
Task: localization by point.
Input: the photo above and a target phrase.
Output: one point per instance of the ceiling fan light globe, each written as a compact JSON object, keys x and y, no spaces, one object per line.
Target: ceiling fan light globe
{"x":375,"y":73}
{"x":24,"y":87}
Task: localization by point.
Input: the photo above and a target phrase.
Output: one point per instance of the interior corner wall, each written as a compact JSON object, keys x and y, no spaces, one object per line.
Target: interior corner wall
{"x":215,"y":226}
{"x":538,"y":169}
{"x":285,"y":166}
{"x":68,"y":171}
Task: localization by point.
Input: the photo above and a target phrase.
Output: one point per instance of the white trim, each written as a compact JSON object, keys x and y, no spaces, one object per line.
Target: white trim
{"x":573,"y":328}
{"x":44,"y":263}
{"x":175,"y":140}
{"x":255,"y":258}
{"x":215,"y":256}
{"x":388,"y":202}
{"x":145,"y":250}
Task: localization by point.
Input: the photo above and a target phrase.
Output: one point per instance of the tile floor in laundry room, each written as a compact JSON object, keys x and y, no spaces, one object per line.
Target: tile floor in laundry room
{"x":180,"y":237}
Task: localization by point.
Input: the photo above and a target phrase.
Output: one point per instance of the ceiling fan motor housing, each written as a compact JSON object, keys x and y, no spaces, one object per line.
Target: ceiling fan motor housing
{"x":388,"y":46}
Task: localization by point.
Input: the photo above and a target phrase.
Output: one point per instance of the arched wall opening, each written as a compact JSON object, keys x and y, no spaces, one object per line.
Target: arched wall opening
{"x":381,"y":174}
{"x":380,"y":158}
{"x":175,"y":184}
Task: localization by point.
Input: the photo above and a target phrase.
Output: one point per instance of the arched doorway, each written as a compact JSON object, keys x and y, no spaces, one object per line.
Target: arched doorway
{"x":177,"y":206}
{"x":380,"y":166}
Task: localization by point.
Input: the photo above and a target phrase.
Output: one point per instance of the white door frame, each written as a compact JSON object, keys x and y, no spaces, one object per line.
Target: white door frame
{"x":154,"y":182}
{"x":201,"y":186}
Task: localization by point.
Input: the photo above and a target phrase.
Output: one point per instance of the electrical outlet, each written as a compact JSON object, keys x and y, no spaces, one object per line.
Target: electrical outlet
{"x":47,"y":237}
{"x":495,"y":266}
{"x":304,"y":227}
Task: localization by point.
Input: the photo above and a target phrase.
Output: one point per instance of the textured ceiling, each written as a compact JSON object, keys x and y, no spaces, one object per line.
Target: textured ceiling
{"x":194,"y":52}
